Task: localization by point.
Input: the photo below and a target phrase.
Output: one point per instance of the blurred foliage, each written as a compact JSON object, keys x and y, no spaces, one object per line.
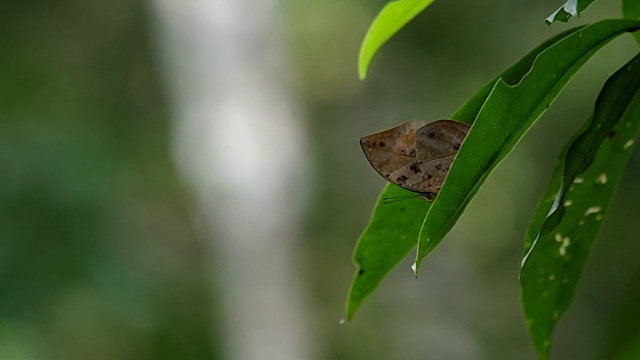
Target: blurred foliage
{"x":98,"y":257}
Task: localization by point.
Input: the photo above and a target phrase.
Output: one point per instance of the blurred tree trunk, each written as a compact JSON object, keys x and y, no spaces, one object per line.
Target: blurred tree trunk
{"x":239,"y":144}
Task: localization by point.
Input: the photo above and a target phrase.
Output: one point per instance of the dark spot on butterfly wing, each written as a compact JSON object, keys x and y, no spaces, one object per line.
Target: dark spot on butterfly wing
{"x":415,"y":168}
{"x":381,"y":144}
{"x":401,"y":178}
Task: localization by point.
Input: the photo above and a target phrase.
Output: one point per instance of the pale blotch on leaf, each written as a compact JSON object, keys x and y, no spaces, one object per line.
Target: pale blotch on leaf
{"x":568,"y":203}
{"x":558,"y":237}
{"x":563,"y":247}
{"x":602,"y":179}
{"x":592,"y":210}
{"x":552,"y":277}
{"x":578,"y":180}
{"x":599,"y":217}
{"x":628,"y":144}
{"x":581,"y":222}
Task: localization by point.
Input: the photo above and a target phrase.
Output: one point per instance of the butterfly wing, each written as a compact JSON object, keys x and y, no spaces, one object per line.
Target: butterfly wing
{"x":437,"y":144}
{"x":439,"y":139}
{"x":415,"y":155}
{"x":392,"y":153}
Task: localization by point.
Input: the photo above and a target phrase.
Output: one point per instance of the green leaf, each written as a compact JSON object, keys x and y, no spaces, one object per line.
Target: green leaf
{"x":388,"y":238}
{"x":631,"y":11}
{"x":570,"y":213}
{"x":567,"y":10}
{"x":393,"y":229}
{"x":393,"y":17}
{"x":507,"y":114}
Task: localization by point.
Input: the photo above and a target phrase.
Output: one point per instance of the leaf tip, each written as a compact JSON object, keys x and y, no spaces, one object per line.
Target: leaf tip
{"x":362,"y":74}
{"x":363,"y":65}
{"x":349,"y":311}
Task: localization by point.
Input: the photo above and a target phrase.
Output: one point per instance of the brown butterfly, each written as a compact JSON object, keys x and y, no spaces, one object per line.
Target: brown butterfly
{"x":416,"y":155}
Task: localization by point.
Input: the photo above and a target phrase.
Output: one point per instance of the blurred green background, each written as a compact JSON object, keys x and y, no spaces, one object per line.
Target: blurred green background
{"x":108,"y":250}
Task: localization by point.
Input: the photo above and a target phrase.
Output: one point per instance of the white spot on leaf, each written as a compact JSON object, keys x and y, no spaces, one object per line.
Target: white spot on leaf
{"x":602,"y":179}
{"x":563,"y":247}
{"x":628,"y":144}
{"x":568,"y":203}
{"x":578,"y":180}
{"x":592,"y":210}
